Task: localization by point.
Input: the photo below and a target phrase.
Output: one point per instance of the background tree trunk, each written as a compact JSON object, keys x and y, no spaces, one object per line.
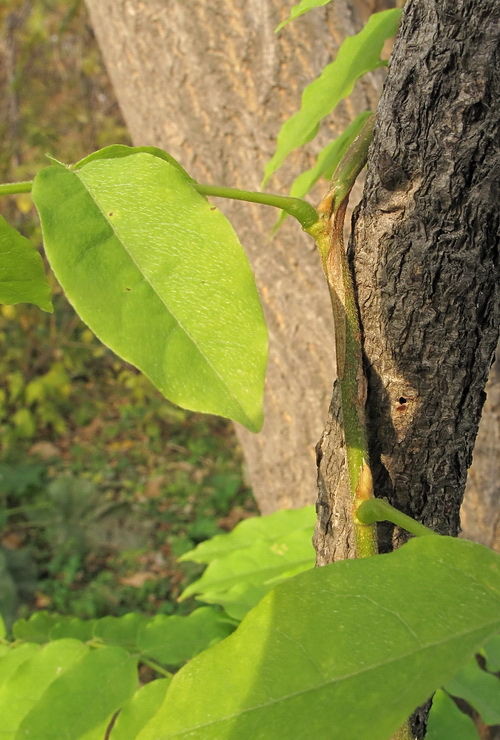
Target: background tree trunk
{"x":426,"y":266}
{"x":211,"y":83}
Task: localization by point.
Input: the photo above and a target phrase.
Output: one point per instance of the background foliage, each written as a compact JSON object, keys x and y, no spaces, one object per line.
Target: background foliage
{"x":102,"y":483}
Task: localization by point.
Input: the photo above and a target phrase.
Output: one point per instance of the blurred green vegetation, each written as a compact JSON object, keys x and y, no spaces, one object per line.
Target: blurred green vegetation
{"x":103,"y":484}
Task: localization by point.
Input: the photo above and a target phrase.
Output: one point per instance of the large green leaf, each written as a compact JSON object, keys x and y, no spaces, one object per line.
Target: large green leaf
{"x":82,"y":700}
{"x":160,"y":277}
{"x":249,"y":561}
{"x":357,"y":55}
{"x":303,"y":7}
{"x":447,"y":722}
{"x":22,"y":277}
{"x":342,"y":652}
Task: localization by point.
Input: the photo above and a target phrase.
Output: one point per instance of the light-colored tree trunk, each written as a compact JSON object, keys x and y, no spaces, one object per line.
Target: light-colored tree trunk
{"x":211,"y":83}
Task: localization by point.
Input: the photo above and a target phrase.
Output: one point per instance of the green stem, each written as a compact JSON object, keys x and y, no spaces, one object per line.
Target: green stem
{"x":13,"y":188}
{"x":304,"y":212}
{"x":378,"y":510}
{"x":152,"y":664}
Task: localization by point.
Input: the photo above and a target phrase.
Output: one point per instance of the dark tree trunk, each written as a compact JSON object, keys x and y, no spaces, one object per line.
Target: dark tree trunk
{"x":425,"y":260}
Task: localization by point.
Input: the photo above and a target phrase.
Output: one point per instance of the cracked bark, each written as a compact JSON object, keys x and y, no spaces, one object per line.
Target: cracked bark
{"x":425,"y":260}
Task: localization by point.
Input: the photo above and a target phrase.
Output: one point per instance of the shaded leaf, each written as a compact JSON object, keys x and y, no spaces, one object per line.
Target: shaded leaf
{"x":31,"y":679}
{"x":300,"y":9}
{"x":160,"y":277}
{"x":446,"y":721}
{"x":491,"y":652}
{"x":121,"y":630}
{"x":478,"y":688}
{"x":84,"y":698}
{"x":356,"y":56}
{"x":22,"y":277}
{"x":325,"y":651}
{"x":11,"y":660}
{"x":139,"y":710}
{"x":173,"y":640}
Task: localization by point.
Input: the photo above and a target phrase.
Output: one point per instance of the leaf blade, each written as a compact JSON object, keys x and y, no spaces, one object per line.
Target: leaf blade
{"x":447,"y":721}
{"x":22,"y":277}
{"x":303,"y":7}
{"x":159,"y":276}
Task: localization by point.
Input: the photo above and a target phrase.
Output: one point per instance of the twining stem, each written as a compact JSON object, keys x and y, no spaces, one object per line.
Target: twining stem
{"x":328,"y":233}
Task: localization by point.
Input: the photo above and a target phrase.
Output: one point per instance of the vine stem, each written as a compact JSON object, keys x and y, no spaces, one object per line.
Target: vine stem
{"x":328,"y":233}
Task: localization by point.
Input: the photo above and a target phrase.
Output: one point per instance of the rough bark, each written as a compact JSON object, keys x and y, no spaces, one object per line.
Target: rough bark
{"x":425,"y":260}
{"x":211,"y":83}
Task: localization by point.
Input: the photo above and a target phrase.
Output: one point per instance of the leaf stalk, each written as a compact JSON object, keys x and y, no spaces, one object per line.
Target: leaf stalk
{"x":14,"y":188}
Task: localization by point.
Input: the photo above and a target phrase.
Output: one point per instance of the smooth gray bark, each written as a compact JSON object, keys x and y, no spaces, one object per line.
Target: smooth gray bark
{"x":425,"y":260}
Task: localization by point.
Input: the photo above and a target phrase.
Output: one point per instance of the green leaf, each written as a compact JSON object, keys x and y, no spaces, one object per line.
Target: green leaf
{"x":42,"y":627}
{"x":478,"y":688}
{"x":341,"y":652}
{"x":249,"y":561}
{"x":83,"y":699}
{"x":329,"y":157}
{"x":173,"y":640}
{"x":447,"y":722}
{"x":357,"y":55}
{"x":22,"y":277}
{"x":122,"y":150}
{"x":491,"y":653}
{"x":139,"y":710}
{"x":300,"y":9}
{"x":121,"y":630}
{"x":26,"y":686}
{"x":10,"y":661}
{"x":160,"y":277}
